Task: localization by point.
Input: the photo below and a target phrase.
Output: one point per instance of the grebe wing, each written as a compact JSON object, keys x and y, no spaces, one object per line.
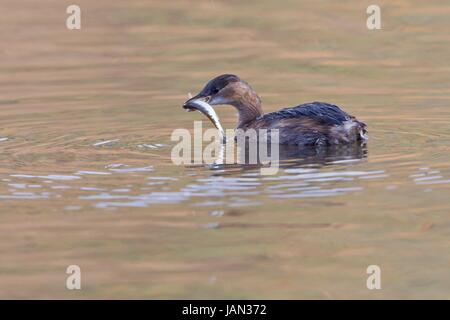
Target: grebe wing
{"x":319,"y":111}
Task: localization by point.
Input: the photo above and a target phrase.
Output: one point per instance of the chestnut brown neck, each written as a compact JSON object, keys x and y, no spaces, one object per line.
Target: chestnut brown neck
{"x":248,"y":104}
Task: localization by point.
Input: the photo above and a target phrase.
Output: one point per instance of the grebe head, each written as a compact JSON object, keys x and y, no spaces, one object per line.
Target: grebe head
{"x":230,"y":89}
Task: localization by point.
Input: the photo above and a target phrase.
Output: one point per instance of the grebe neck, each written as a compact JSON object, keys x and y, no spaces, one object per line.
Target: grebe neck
{"x":248,"y":107}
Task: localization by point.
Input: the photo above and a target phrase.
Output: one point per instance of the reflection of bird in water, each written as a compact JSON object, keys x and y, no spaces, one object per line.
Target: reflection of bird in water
{"x":293,"y":156}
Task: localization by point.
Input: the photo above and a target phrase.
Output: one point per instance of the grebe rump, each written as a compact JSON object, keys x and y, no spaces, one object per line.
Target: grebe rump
{"x":309,"y":124}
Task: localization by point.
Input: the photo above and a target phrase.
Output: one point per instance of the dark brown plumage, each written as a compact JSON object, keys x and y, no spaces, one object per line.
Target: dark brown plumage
{"x":309,"y":124}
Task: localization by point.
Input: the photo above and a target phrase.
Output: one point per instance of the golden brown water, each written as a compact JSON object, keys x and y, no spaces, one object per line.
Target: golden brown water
{"x":140,"y":227}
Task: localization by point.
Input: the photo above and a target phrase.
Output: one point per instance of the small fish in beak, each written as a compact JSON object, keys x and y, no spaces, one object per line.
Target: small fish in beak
{"x":203,"y":107}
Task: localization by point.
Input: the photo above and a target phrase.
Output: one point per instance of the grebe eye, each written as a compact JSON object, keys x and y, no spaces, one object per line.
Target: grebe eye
{"x":214,"y":91}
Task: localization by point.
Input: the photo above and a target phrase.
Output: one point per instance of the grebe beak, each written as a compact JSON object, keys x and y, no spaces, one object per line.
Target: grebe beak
{"x":191,"y":98}
{"x":187,"y":104}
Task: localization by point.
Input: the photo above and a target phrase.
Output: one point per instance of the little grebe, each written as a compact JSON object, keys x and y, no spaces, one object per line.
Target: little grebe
{"x":309,"y":124}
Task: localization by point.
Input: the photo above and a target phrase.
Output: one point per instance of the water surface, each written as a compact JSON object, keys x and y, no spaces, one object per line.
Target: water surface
{"x":86,"y":176}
